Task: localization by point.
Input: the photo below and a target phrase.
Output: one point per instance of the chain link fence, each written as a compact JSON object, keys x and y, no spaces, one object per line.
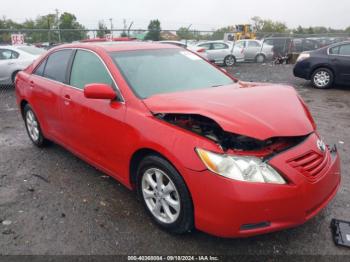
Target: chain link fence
{"x":283,"y":44}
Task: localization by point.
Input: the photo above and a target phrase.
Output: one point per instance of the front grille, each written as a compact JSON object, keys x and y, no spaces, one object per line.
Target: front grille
{"x":311,"y":164}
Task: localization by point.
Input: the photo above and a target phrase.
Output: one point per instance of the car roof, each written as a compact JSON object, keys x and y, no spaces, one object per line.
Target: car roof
{"x":118,"y":46}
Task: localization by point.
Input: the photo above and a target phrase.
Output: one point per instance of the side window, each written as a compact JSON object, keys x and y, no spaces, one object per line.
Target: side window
{"x":40,"y":69}
{"x":205,"y":46}
{"x":334,"y":50}
{"x":6,"y":54}
{"x":87,"y":68}
{"x":217,"y":46}
{"x":253,"y":44}
{"x":240,"y":44}
{"x":344,"y":50}
{"x":57,"y":64}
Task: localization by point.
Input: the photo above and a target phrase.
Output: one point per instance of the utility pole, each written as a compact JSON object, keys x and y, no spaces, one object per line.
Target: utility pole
{"x":49,"y":32}
{"x":188,"y":30}
{"x":58,"y":25}
{"x":130,"y":28}
{"x":111,"y":21}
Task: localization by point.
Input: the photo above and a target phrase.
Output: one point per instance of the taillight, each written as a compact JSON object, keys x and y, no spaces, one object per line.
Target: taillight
{"x":202,"y":50}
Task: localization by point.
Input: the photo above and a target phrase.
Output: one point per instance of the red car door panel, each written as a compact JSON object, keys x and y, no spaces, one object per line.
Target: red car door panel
{"x":93,"y":127}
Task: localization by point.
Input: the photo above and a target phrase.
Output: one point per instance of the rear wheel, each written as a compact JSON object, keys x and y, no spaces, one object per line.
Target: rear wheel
{"x":260,"y":58}
{"x":164,"y":195}
{"x":322,"y":78}
{"x":33,"y":127}
{"x":229,"y":60}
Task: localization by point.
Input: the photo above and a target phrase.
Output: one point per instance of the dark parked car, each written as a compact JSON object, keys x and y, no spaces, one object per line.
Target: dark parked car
{"x":325,"y":66}
{"x":282,"y":46}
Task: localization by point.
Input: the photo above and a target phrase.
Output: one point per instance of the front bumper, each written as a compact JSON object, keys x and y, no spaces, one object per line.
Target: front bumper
{"x":229,"y":208}
{"x":302,"y":69}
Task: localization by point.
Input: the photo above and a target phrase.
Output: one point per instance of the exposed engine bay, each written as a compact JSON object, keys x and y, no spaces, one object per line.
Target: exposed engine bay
{"x":208,"y":128}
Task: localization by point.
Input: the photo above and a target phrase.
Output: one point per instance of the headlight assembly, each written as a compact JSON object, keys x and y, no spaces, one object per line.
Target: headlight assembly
{"x":242,"y":168}
{"x":303,"y":56}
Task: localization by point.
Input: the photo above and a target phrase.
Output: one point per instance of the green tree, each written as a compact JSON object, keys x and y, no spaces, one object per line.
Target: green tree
{"x":185,"y":33}
{"x":274,"y":27}
{"x":299,"y":30}
{"x":103,"y":30}
{"x":69,"y":21}
{"x":258,"y":23}
{"x":219,"y":33}
{"x":154,"y":30}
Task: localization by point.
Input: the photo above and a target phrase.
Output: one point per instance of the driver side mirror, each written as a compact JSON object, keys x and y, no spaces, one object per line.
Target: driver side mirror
{"x":99,"y":91}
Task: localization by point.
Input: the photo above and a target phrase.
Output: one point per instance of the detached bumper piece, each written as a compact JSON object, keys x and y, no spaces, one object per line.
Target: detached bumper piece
{"x":341,"y":232}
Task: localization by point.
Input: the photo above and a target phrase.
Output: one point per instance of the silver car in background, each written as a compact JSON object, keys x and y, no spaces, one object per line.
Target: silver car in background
{"x":14,"y":59}
{"x":200,"y":51}
{"x":255,"y":50}
{"x":221,"y":52}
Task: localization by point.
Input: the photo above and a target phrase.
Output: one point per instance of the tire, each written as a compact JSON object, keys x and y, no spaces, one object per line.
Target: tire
{"x":260,"y":58}
{"x":13,"y":77}
{"x":229,"y":60}
{"x":33,"y":127}
{"x":170,"y":208}
{"x":322,"y":78}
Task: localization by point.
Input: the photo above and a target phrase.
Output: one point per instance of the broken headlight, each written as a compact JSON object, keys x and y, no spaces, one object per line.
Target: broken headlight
{"x":242,"y":168}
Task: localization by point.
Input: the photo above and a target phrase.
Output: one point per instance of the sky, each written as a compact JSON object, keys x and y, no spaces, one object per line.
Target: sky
{"x":201,"y":14}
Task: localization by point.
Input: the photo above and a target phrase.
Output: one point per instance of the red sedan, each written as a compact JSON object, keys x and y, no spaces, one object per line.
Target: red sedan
{"x":200,"y":148}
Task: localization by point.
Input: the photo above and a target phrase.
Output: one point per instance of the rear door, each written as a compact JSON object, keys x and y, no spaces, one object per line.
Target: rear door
{"x":93,"y":128}
{"x":7,"y":65}
{"x":340,"y":58}
{"x":46,"y":84}
{"x":253,"y":48}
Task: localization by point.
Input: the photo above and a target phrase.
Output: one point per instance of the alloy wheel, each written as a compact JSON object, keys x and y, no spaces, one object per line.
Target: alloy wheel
{"x":160,"y":195}
{"x":229,"y":61}
{"x":322,"y":79}
{"x":32,"y":125}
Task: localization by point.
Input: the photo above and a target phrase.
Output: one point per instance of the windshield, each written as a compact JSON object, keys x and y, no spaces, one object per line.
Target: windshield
{"x":150,"y":72}
{"x":32,"y":50}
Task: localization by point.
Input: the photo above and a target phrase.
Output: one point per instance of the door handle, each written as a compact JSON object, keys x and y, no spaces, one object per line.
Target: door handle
{"x":67,"y":97}
{"x":11,"y":63}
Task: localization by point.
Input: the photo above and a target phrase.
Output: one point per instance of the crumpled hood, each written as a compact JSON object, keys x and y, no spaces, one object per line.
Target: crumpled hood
{"x":257,"y":111}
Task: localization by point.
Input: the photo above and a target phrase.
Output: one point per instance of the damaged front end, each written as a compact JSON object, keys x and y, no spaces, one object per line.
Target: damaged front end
{"x":239,"y":144}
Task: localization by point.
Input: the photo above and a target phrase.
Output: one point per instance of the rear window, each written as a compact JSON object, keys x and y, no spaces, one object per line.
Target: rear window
{"x":57,"y":64}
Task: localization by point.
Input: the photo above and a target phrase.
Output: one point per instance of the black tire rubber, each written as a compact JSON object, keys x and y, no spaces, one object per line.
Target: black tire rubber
{"x":13,"y":77}
{"x":184,"y":223}
{"x":256,"y":58}
{"x":225,"y":62}
{"x":331,"y":81}
{"x":42,"y":141}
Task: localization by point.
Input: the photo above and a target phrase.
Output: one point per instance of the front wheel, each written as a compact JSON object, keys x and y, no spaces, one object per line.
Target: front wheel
{"x":322,"y":78}
{"x":164,"y":195}
{"x":229,"y":60}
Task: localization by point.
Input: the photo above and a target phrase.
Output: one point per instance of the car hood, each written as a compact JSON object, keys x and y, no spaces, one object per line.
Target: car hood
{"x":256,"y":110}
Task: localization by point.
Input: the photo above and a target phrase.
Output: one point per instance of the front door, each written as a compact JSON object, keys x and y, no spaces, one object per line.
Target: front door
{"x":94,"y":128}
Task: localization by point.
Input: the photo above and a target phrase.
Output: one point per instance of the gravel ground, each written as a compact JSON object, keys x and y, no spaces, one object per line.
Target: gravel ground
{"x":54,"y":203}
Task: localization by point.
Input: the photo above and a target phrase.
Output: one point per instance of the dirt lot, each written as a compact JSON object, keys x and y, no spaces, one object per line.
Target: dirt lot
{"x":55,"y":203}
